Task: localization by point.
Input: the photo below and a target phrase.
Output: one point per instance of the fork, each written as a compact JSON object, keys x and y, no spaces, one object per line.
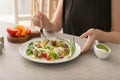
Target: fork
{"x":41,"y":29}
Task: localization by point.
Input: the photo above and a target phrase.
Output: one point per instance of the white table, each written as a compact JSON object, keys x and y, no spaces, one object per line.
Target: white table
{"x":85,"y":67}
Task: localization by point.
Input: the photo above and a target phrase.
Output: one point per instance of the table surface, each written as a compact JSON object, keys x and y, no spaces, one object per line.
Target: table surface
{"x":85,"y":67}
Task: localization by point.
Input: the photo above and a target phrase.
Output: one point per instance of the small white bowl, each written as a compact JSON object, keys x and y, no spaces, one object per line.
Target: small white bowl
{"x":100,"y":52}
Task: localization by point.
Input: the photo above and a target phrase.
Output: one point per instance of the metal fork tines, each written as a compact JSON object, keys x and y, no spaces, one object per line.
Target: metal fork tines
{"x":41,"y":31}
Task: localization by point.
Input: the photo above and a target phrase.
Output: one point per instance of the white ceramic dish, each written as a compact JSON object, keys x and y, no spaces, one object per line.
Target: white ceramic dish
{"x":23,"y":48}
{"x":101,"y":53}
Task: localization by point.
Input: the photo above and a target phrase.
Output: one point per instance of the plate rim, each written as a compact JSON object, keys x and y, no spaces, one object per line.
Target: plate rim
{"x":22,"y":53}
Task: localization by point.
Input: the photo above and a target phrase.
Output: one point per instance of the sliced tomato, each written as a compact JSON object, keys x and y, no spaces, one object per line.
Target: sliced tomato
{"x":12,"y":31}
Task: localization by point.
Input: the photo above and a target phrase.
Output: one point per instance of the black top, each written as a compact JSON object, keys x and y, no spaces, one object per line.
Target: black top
{"x":81,"y":15}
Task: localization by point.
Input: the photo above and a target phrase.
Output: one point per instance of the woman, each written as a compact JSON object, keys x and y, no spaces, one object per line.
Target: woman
{"x":85,"y":18}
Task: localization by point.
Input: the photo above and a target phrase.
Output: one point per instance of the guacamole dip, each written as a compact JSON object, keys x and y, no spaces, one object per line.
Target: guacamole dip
{"x":101,"y":46}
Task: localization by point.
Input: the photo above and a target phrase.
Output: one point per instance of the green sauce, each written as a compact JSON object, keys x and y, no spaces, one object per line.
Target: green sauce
{"x":100,"y":46}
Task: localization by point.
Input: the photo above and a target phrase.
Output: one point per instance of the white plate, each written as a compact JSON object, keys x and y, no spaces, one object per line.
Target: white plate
{"x":24,"y":46}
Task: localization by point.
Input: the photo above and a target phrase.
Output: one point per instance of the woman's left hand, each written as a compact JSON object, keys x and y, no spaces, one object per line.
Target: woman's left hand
{"x":91,"y":34}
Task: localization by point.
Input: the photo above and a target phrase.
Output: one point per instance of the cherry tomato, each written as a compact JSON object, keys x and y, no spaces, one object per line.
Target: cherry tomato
{"x":44,"y":55}
{"x":12,"y":31}
{"x":48,"y":58}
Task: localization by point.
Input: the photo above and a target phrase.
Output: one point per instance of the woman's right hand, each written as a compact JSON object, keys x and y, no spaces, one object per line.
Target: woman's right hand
{"x":45,"y":21}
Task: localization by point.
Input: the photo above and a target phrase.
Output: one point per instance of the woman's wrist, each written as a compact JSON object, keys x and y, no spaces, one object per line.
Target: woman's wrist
{"x":98,"y":34}
{"x":53,"y":26}
{"x":101,"y":35}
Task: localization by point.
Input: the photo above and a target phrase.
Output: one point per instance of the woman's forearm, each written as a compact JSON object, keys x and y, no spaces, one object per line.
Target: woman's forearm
{"x":113,"y":36}
{"x":54,"y":26}
{"x":56,"y":22}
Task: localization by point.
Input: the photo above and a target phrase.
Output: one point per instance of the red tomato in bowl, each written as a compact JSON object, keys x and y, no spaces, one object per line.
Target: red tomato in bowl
{"x":12,"y":31}
{"x":28,"y":31}
{"x":18,"y":34}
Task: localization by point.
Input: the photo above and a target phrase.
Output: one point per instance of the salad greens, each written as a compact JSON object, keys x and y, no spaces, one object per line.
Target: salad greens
{"x":53,"y":49}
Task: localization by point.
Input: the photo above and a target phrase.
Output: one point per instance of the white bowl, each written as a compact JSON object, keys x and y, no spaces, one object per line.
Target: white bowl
{"x":100,"y":52}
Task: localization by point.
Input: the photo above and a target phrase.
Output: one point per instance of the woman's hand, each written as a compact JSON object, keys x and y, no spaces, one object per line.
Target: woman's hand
{"x":45,"y":21}
{"x":91,"y":34}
